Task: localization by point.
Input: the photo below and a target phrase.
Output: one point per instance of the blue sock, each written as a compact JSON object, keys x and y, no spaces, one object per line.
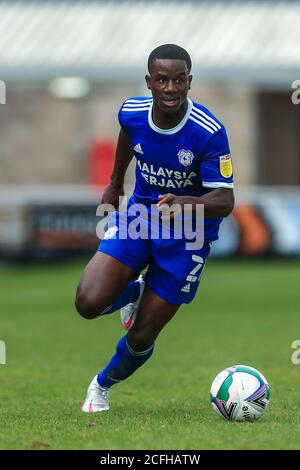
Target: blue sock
{"x":123,"y":364}
{"x":129,"y":295}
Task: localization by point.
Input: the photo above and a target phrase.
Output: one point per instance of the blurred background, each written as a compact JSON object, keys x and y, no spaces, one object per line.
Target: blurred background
{"x":67,"y":66}
{"x":65,"y":69}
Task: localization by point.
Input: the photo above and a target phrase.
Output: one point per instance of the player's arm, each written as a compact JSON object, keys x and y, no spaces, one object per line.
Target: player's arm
{"x":216,"y":177}
{"x":218,"y":202}
{"x":123,"y":157}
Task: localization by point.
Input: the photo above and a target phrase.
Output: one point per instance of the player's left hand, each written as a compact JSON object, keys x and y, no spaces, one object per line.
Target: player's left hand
{"x":170,"y":201}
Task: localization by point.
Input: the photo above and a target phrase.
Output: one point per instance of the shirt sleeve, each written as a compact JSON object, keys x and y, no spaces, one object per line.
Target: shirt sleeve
{"x":216,"y":165}
{"x":123,"y":119}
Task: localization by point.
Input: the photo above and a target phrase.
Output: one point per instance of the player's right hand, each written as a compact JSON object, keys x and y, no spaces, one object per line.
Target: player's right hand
{"x":112,"y":194}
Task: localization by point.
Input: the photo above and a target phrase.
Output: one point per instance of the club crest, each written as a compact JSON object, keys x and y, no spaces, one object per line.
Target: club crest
{"x":185,"y":157}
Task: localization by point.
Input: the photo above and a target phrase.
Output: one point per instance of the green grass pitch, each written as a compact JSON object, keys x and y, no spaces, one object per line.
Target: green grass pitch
{"x":246,"y":312}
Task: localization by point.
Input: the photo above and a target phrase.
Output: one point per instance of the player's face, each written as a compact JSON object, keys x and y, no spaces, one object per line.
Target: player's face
{"x":169,"y":83}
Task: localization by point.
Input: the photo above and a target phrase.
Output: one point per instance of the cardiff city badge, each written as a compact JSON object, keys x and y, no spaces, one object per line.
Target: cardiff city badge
{"x":226,"y":166}
{"x":185,"y":157}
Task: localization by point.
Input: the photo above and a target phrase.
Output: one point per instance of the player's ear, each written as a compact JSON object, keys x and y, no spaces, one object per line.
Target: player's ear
{"x":190,"y":81}
{"x":148,"y":79}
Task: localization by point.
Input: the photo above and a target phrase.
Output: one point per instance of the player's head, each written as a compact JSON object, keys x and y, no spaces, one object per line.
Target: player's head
{"x":169,"y":76}
{"x":169,"y":51}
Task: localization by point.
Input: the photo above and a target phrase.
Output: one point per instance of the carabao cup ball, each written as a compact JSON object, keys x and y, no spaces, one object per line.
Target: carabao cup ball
{"x":240,"y":393}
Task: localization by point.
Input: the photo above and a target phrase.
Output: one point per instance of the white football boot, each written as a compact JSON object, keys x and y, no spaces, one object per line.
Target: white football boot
{"x":96,"y":399}
{"x":129,"y":311}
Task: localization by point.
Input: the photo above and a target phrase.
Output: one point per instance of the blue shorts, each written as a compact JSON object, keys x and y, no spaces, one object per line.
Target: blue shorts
{"x":174,"y":272}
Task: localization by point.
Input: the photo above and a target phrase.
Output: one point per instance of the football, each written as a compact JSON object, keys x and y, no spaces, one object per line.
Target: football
{"x":240,"y":393}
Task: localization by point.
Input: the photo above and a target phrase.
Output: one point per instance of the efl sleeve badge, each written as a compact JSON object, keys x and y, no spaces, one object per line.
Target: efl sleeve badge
{"x":226,"y":166}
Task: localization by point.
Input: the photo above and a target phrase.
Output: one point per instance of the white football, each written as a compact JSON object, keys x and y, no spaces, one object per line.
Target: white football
{"x":240,"y":393}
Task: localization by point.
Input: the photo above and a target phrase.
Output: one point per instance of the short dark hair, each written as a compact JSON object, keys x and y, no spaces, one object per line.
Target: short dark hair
{"x":169,"y":51}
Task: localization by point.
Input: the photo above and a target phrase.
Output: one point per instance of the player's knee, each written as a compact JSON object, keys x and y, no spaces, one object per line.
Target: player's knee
{"x":86,"y":305}
{"x":85,"y":308}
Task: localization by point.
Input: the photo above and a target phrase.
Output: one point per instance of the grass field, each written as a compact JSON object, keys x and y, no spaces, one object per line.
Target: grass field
{"x":245,"y":312}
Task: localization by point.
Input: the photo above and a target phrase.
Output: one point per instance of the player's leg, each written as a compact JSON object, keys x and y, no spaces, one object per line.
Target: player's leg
{"x":135,"y":348}
{"x":132,"y":350}
{"x":105,"y":286}
{"x":129,"y":311}
{"x":172,"y":279}
{"x":153,"y":315}
{"x":168,"y":288}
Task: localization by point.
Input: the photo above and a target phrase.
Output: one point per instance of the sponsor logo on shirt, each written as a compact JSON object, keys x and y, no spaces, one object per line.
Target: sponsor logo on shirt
{"x":138,"y":148}
{"x":166,"y":178}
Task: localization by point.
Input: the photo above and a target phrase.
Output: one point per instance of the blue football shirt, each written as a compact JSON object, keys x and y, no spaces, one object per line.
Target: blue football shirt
{"x":189,"y":159}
